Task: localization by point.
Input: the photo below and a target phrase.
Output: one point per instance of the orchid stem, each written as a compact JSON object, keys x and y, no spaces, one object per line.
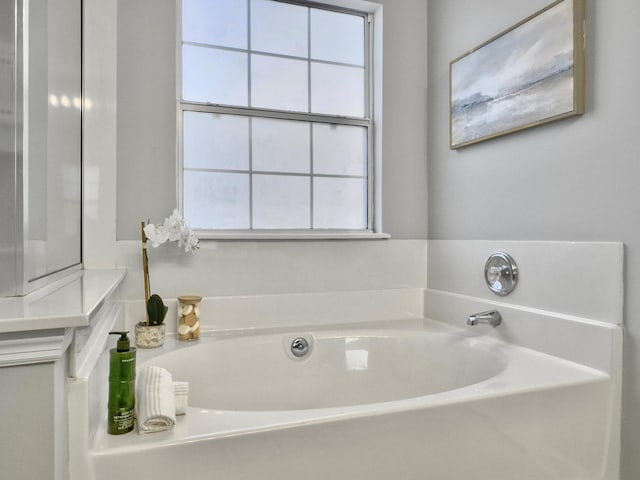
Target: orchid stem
{"x":145,"y":270}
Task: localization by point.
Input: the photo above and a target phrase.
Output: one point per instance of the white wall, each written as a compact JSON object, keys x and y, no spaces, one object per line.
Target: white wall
{"x":572,"y":180}
{"x":267,"y":268}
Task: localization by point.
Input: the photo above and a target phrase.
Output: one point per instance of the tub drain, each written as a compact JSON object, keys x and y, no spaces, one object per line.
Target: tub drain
{"x":299,"y":347}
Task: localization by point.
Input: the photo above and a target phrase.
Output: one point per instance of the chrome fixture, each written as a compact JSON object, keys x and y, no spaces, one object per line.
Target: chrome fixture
{"x":299,"y":347}
{"x":501,"y":273}
{"x":491,"y":317}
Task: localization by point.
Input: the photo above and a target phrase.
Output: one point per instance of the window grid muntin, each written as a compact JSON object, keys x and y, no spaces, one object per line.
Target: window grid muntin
{"x":275,"y":114}
{"x":309,"y":79}
{"x":311,"y":170}
{"x":249,"y":111}
{"x":273,"y":172}
{"x":271,"y":54}
{"x":251,"y":172}
{"x":249,"y":103}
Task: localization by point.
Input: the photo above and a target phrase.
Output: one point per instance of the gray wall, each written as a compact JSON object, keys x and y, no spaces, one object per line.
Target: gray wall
{"x":146,"y":122}
{"x":146,"y":114}
{"x":572,"y":180}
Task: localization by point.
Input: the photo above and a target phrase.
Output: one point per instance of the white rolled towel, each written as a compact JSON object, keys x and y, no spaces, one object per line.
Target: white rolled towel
{"x":155,"y":400}
{"x":181,"y":392}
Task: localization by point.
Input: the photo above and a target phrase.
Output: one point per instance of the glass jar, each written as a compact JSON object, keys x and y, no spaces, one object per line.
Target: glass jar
{"x":189,"y":317}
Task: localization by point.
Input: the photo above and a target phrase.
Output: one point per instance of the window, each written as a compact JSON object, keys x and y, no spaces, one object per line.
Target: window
{"x":276,"y":129}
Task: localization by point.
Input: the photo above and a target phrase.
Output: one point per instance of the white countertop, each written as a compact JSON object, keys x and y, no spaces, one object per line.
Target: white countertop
{"x":69,"y":302}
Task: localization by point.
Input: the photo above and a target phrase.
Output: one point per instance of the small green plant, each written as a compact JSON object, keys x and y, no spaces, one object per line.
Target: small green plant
{"x":156,"y":310}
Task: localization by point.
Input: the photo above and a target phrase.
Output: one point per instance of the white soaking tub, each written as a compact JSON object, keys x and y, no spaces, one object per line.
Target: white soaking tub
{"x":341,"y":369}
{"x":370,"y":404}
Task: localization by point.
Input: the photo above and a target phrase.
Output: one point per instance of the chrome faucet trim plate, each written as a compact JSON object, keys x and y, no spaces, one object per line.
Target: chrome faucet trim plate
{"x":501,"y":273}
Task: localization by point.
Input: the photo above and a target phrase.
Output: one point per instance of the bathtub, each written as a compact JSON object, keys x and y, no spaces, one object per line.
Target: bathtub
{"x":341,"y":369}
{"x":420,"y":403}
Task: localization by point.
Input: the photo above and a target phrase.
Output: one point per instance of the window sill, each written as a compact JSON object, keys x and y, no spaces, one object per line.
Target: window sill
{"x":290,"y":235}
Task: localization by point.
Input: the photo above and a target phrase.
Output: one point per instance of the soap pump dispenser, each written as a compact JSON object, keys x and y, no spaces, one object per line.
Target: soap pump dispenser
{"x":122,"y":386}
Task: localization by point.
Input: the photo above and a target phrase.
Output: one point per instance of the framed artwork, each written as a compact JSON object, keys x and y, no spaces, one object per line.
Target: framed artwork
{"x":528,"y":75}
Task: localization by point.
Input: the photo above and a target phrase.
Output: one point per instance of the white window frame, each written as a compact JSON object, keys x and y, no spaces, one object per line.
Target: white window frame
{"x":373,"y":121}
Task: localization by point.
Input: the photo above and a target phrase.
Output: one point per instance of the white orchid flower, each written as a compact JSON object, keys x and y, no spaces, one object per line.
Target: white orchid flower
{"x":174,"y":228}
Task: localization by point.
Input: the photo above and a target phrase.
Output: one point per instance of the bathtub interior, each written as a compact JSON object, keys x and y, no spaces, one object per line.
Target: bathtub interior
{"x":342,"y":368}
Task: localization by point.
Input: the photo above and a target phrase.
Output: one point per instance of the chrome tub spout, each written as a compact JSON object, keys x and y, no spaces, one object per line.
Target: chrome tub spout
{"x":492,"y":317}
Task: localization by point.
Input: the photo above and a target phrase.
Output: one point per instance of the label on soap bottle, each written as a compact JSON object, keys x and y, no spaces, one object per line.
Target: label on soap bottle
{"x":123,"y":421}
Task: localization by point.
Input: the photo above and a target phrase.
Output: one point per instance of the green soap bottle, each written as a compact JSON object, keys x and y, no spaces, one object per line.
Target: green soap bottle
{"x":122,"y":386}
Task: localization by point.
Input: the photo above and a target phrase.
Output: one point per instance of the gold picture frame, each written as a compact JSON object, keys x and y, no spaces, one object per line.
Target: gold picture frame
{"x":528,"y":75}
